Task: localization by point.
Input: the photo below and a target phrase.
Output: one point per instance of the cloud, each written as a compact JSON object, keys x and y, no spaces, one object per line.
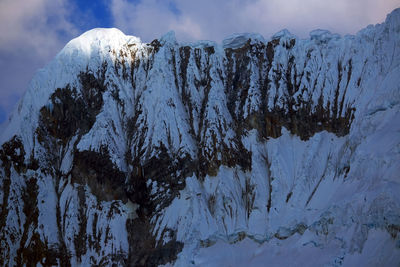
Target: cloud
{"x":151,"y":19}
{"x":216,"y":19}
{"x":32,"y":32}
{"x":302,"y":16}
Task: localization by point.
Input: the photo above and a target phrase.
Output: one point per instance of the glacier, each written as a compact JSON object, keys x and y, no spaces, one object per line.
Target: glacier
{"x":283,"y":151}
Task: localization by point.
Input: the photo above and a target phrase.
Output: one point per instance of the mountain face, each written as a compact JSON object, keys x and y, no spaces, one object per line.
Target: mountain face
{"x":255,"y":152}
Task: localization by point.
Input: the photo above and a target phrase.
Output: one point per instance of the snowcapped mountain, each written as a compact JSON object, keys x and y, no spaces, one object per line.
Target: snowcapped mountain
{"x":249,"y":152}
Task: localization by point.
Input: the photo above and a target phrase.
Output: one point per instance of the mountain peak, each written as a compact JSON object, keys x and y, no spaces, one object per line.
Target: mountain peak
{"x":285,"y":33}
{"x":99,"y":39}
{"x":169,"y":37}
{"x":143,"y":154}
{"x":240,"y":39}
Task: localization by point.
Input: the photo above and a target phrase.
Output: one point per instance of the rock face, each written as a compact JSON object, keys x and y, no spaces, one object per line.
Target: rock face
{"x":132,"y":154}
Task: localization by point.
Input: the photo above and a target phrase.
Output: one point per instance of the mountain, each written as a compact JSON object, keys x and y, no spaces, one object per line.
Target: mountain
{"x":249,"y":152}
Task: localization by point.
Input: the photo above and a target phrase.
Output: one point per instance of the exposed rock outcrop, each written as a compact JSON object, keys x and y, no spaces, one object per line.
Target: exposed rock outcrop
{"x":132,"y":154}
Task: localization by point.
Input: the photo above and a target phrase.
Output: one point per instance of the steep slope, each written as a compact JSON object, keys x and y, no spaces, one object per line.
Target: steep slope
{"x":137,"y":154}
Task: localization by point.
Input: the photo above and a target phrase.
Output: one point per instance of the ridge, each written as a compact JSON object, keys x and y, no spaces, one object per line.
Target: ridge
{"x":143,"y":154}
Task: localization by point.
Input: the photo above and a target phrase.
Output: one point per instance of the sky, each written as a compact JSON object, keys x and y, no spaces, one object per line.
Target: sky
{"x":33,"y":31}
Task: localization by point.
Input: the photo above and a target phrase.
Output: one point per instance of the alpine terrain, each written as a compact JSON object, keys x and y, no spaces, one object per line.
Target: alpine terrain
{"x":252,"y":152}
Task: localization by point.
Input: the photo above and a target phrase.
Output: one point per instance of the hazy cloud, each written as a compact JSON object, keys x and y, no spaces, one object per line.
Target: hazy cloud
{"x":215,"y":19}
{"x":32,"y":32}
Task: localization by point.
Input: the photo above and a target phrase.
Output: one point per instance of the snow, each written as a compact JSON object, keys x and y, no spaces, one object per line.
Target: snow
{"x":84,"y":52}
{"x":377,"y":251}
{"x":332,"y":197}
{"x":169,"y":37}
{"x":323,"y":35}
{"x":282,"y":34}
{"x":240,"y":39}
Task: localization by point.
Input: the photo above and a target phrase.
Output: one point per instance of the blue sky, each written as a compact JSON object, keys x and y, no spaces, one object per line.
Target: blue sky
{"x":33,"y":31}
{"x":91,"y":14}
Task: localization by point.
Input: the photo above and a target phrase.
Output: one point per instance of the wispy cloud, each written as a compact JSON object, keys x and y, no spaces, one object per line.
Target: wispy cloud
{"x":215,"y":19}
{"x":32,"y":32}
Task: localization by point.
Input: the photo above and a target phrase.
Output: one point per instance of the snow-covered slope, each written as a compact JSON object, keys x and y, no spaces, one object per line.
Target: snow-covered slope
{"x":285,"y":151}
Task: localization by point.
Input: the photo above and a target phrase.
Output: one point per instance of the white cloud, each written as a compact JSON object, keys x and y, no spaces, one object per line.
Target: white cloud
{"x":215,"y":19}
{"x":302,"y":16}
{"x":32,"y":32}
{"x":145,"y":19}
